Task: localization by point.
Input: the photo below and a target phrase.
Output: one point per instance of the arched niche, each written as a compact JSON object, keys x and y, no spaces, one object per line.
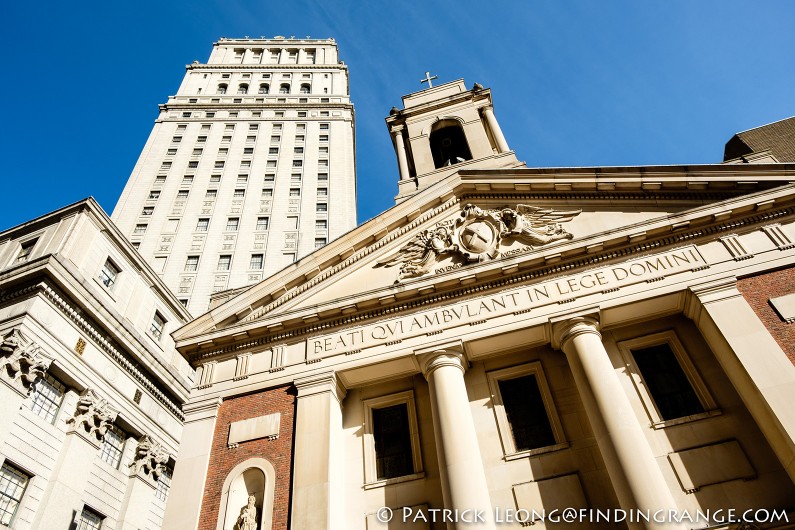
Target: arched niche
{"x":448,"y":143}
{"x":254,"y":476}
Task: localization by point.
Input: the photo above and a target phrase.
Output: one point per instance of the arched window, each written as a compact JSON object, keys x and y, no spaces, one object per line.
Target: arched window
{"x":221,"y":89}
{"x":264,"y":88}
{"x":284,"y":88}
{"x":248,"y":493}
{"x":448,"y":144}
{"x":242,"y":89}
{"x":305,"y":88}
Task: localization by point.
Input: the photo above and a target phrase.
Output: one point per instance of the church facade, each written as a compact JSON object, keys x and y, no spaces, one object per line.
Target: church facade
{"x":507,"y":343}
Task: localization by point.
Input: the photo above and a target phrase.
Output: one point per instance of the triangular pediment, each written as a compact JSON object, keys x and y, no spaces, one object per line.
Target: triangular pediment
{"x":478,"y":225}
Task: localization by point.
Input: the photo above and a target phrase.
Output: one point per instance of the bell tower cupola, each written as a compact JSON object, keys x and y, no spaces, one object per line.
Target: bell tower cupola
{"x":443,"y":129}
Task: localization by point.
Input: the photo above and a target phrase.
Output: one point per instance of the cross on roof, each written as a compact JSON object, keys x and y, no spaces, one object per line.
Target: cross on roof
{"x":428,"y":79}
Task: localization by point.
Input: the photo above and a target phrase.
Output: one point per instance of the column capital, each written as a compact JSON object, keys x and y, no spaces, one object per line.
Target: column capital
{"x":566,"y":327}
{"x":439,"y":355}
{"x":318,"y":383}
{"x":201,"y":409}
{"x":396,"y":129}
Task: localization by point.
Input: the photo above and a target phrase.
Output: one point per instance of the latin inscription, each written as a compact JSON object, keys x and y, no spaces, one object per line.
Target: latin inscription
{"x":516,"y":301}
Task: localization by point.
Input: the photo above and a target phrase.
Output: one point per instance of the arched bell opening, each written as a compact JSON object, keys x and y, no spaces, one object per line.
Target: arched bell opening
{"x":448,"y":144}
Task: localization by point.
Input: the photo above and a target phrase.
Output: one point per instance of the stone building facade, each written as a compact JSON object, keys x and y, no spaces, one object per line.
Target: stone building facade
{"x":508,"y":341}
{"x":91,"y":386}
{"x":248,"y":167}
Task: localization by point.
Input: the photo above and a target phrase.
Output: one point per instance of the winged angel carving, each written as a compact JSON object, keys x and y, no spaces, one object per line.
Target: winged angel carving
{"x":476,"y":236}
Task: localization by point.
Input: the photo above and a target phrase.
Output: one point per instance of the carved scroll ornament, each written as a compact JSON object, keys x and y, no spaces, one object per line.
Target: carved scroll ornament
{"x":21,"y":360}
{"x":477,"y":234}
{"x":94,"y":414}
{"x":150,"y":457}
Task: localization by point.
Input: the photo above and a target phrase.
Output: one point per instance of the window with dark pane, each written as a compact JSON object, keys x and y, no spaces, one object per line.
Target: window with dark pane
{"x":667,"y":383}
{"x":526,"y":413}
{"x":392,"y":442}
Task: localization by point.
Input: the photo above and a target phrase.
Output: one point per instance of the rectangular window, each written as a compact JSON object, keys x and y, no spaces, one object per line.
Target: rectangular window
{"x":302,"y":114}
{"x":172,"y":151}
{"x":186,"y":181}
{"x":203,"y":224}
{"x":322,"y":177}
{"x":89,"y":520}
{"x":186,"y":114}
{"x":232,"y":223}
{"x":226,"y":139}
{"x":205,"y":127}
{"x":267,"y":192}
{"x":165,"y":166}
{"x":182,"y":126}
{"x":201,"y":139}
{"x":26,"y":249}
{"x":273,"y":151}
{"x":321,"y":224}
{"x":229,"y":127}
{"x":322,"y":150}
{"x":296,"y":178}
{"x":157,"y":325}
{"x":46,"y":396}
{"x":248,"y":150}
{"x":298,"y":163}
{"x":271,"y":164}
{"x":164,"y":480}
{"x":197,"y":152}
{"x":666,"y":380}
{"x":269,"y":177}
{"x":245,"y":164}
{"x":300,"y":138}
{"x":108,"y":274}
{"x":320,"y":241}
{"x":391,"y":438}
{"x":219,"y":164}
{"x":215,"y":179}
{"x":211,"y":194}
{"x":139,"y":229}
{"x":12,"y":487}
{"x":251,"y":139}
{"x":322,"y":192}
{"x":324,"y":126}
{"x":154,"y":195}
{"x":321,"y":207}
{"x":224,"y":262}
{"x":262,"y":222}
{"x":256,"y":262}
{"x":113,"y":443}
{"x":295,"y":192}
{"x":193,"y":164}
{"x":239,"y":194}
{"x":191,"y":263}
{"x":276,"y":139}
{"x":322,"y":164}
{"x":209,"y":114}
{"x":298,"y":150}
{"x":253,"y":126}
{"x":526,"y":417}
{"x":323,"y":138}
{"x":160,"y":180}
{"x":176,"y":139}
{"x":182,"y":194}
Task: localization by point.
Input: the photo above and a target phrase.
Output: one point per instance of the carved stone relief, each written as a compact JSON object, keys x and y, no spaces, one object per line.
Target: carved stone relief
{"x":477,"y":235}
{"x":150,"y":458}
{"x":94,"y":415}
{"x":22,"y":361}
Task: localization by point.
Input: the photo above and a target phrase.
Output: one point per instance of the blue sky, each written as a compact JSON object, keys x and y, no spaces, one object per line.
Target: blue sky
{"x":575,"y":83}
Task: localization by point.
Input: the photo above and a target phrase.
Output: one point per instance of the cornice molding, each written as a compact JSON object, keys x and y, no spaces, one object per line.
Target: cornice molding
{"x":682,"y":236}
{"x":97,"y":337}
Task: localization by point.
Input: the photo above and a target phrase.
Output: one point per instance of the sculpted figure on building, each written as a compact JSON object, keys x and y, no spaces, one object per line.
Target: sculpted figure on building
{"x":476,"y":235}
{"x":22,"y":362}
{"x":150,"y":457}
{"x":94,"y":414}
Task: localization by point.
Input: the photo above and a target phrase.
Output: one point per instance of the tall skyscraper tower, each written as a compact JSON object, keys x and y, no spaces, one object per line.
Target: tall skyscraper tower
{"x":248,"y":167}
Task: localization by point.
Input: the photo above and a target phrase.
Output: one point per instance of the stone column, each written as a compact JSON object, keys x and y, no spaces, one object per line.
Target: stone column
{"x":754,"y":362}
{"x":65,"y":492}
{"x":190,"y":473}
{"x":317,"y":473}
{"x":502,"y":145}
{"x":400,"y":146}
{"x":633,"y":469}
{"x":21,"y":363}
{"x":464,"y":484}
{"x":150,"y":461}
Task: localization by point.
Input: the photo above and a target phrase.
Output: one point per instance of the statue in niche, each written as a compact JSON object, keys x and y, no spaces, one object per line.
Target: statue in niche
{"x":248,"y":516}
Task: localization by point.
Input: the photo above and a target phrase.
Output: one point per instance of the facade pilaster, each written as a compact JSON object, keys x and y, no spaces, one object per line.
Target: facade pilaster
{"x":317,"y":475}
{"x":400,"y":146}
{"x":184,"y":505}
{"x":633,"y":470}
{"x":464,"y":485}
{"x":150,"y":461}
{"x":65,"y":490}
{"x":491,"y":121}
{"x":754,"y":362}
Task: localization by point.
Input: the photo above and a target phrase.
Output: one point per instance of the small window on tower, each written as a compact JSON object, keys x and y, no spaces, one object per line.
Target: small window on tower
{"x":221,"y":88}
{"x":448,"y":144}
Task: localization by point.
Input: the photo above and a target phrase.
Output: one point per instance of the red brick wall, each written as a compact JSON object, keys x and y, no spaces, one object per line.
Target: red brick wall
{"x":278,"y":452}
{"x":757,"y":290}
